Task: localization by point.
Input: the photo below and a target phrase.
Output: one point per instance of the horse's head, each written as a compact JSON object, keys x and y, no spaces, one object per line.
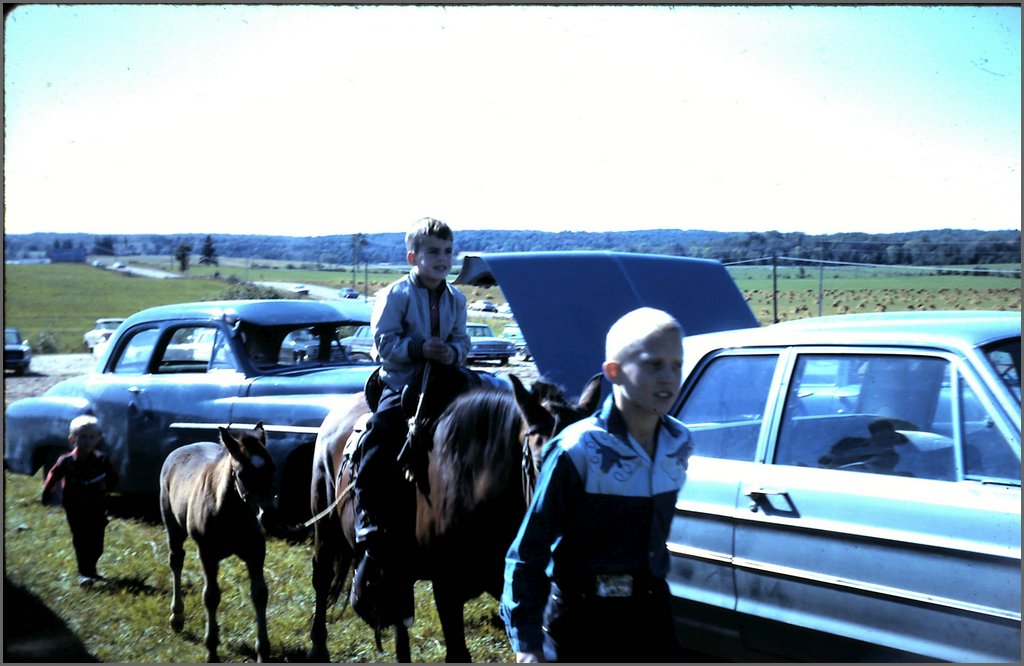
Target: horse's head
{"x":252,"y":468}
{"x":546,"y":412}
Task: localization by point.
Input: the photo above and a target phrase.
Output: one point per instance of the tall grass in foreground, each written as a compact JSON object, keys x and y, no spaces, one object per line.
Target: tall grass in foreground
{"x":124,"y":619}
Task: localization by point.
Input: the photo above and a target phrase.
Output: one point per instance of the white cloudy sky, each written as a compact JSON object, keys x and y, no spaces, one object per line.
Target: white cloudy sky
{"x":316,"y":120}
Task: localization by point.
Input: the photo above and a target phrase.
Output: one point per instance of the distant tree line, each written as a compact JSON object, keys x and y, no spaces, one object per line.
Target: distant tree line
{"x":921,"y":248}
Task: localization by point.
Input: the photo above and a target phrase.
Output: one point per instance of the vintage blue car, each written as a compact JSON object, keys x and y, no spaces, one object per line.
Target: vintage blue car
{"x":854,"y":493}
{"x":173,"y":374}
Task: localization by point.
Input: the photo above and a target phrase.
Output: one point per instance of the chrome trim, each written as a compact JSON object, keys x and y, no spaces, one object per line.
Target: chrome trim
{"x":699,"y":553}
{"x":844,"y":530}
{"x":877,"y":590}
{"x":298,"y":430}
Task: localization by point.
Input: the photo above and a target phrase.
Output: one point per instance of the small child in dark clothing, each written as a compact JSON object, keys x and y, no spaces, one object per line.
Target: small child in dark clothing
{"x":85,"y":475}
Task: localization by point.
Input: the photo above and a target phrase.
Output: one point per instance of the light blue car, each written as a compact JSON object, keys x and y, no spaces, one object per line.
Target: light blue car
{"x":854,"y":493}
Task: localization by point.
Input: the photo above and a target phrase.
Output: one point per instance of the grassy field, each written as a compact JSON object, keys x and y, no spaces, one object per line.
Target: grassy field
{"x":124,"y":618}
{"x":63,"y":300}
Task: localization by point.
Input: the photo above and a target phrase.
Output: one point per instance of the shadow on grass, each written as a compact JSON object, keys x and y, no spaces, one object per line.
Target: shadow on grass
{"x":33,"y":633}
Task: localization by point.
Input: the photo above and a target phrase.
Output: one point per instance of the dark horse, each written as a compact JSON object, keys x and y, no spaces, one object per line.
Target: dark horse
{"x":472,"y":489}
{"x":216,"y":494}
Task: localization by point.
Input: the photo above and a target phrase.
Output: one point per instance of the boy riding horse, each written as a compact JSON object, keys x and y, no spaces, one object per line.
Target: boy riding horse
{"x":419,"y":322}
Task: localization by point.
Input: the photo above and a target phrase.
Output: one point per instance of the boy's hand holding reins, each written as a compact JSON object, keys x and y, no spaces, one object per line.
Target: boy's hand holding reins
{"x":436,"y":349}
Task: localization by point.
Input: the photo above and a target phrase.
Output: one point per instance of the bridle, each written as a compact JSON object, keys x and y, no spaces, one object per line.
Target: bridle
{"x":248,"y":497}
{"x":529,"y":466}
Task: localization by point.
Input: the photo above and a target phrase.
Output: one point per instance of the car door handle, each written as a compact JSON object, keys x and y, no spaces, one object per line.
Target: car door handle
{"x":135,"y":390}
{"x":760,"y":496}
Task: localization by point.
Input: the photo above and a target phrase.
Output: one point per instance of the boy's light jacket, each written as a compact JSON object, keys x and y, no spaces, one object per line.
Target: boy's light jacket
{"x":401,"y":323}
{"x":601,"y":506}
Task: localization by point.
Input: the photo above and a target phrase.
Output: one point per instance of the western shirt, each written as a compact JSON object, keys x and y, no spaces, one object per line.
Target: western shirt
{"x":601,"y":506}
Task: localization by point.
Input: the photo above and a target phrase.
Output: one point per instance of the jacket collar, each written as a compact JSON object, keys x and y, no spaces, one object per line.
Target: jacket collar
{"x":616,"y":424}
{"x":415,"y":280}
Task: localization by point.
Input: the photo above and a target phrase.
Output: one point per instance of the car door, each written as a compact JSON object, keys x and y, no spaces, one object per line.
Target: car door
{"x":725,"y":425}
{"x":165,"y":387}
{"x":878,"y":519}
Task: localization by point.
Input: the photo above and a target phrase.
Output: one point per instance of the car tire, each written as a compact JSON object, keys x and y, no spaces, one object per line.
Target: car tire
{"x":360,"y":356}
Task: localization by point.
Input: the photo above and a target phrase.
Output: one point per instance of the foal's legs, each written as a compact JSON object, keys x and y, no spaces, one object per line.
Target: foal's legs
{"x":176,"y":545}
{"x":258,"y":590}
{"x":211,"y":598}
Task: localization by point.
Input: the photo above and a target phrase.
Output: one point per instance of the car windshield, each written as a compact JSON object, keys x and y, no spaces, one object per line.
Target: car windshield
{"x":11,"y":337}
{"x":1005,"y":359}
{"x":480,"y":331}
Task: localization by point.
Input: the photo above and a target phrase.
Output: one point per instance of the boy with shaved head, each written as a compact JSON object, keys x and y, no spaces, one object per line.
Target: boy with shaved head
{"x":585,"y":576}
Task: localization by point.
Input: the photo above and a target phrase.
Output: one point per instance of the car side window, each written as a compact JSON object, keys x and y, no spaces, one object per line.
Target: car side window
{"x":190,"y":349}
{"x":725,"y":409}
{"x":135,"y":355}
{"x":882,"y":414}
{"x":987,"y":453}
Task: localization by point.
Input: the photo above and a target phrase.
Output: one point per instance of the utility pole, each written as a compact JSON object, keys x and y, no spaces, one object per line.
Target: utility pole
{"x":775,"y":289}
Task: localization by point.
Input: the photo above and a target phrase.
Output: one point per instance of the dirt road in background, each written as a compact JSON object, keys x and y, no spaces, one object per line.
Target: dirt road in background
{"x":48,"y":369}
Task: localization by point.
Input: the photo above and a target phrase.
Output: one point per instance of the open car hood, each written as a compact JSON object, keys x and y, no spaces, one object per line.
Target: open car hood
{"x":564,"y":302}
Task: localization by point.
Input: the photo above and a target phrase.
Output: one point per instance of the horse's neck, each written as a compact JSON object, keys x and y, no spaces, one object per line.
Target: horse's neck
{"x":220,"y":481}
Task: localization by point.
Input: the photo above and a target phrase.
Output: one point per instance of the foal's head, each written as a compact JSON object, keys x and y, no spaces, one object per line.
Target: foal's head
{"x":546,"y":412}
{"x":252,"y":468}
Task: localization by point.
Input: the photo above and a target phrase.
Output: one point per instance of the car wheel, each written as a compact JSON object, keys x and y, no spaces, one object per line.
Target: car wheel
{"x":359,"y":356}
{"x":503,"y":360}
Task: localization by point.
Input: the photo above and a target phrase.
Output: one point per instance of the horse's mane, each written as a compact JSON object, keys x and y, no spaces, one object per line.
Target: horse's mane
{"x":478,"y":452}
{"x":475,"y":431}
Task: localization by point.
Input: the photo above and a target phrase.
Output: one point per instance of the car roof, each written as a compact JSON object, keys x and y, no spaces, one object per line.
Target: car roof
{"x":943,"y":329}
{"x":270,"y":312}
{"x":566,"y":301}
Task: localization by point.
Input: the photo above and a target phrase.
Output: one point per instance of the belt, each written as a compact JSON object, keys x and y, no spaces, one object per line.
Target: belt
{"x":610,"y":586}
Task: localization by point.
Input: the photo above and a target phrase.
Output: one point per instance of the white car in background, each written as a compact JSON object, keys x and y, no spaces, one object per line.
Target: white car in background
{"x":104,"y":328}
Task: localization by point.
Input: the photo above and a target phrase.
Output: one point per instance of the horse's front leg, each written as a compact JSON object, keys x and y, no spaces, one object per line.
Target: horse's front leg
{"x":326,"y":546}
{"x":403,"y":653}
{"x":176,"y":545}
{"x":449,"y":605}
{"x":211,"y":598}
{"x":258,"y":590}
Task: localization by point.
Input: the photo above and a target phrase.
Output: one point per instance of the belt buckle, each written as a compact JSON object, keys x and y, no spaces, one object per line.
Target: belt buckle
{"x":614,"y":585}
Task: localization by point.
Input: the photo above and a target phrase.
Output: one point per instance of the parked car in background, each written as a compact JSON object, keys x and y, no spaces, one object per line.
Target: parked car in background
{"x":103,"y":329}
{"x":300,"y":289}
{"x":359,"y":345}
{"x":348,"y":292}
{"x":483,"y":306}
{"x":854,"y":492}
{"x":514,"y":334}
{"x":174,"y":374}
{"x":484,"y":346}
{"x":17,"y":352}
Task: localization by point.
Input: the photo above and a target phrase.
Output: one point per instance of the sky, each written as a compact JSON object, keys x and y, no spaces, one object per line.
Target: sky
{"x":320,"y":120}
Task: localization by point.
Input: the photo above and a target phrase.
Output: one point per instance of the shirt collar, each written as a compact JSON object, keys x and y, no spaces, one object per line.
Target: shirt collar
{"x":441,"y":288}
{"x":616,"y":424}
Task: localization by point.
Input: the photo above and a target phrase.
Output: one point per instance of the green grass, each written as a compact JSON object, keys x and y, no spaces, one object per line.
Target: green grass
{"x":63,"y":300}
{"x":124,"y":619}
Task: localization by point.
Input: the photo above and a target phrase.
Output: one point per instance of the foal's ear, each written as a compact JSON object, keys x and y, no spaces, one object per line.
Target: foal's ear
{"x":229,"y":441}
{"x":591,"y":397}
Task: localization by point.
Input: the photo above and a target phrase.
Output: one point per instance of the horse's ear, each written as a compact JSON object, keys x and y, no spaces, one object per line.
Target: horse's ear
{"x":230,"y":443}
{"x":261,"y":434}
{"x":532,"y":410}
{"x":591,"y":397}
